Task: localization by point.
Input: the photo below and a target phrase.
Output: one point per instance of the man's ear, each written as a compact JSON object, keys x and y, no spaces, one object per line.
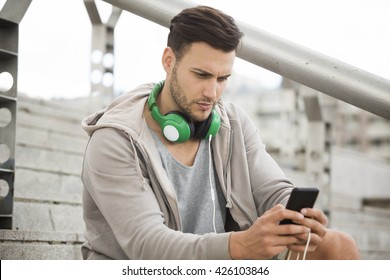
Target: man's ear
{"x":168,"y":60}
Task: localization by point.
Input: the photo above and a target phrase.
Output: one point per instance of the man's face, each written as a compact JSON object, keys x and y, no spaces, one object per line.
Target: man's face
{"x":198,"y":80}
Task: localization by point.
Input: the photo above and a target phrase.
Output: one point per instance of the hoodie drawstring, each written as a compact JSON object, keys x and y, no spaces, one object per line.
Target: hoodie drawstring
{"x":138,"y":166}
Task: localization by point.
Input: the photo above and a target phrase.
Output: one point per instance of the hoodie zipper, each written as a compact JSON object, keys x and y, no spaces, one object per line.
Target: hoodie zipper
{"x":242,"y":208}
{"x":145,"y":159}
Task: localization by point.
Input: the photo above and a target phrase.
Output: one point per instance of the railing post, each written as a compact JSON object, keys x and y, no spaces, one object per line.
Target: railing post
{"x":102,"y":51}
{"x":10,"y":16}
{"x":317,"y":147}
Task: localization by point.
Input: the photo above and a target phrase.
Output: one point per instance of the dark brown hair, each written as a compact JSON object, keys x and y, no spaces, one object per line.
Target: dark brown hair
{"x":203,"y":24}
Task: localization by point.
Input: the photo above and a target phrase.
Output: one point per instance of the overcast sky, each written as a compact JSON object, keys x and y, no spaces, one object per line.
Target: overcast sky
{"x":55,"y":36}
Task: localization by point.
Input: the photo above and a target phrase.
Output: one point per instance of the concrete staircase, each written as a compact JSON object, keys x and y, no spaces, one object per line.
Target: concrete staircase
{"x":47,"y":216}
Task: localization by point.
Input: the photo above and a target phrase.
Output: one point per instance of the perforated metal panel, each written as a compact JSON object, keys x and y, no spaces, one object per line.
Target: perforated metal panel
{"x":10,"y":17}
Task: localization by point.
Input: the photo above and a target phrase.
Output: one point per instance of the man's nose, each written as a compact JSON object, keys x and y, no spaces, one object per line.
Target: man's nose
{"x":210,"y":90}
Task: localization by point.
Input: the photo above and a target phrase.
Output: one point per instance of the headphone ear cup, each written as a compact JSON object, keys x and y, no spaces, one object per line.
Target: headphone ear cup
{"x":176,"y":127}
{"x":214,"y":125}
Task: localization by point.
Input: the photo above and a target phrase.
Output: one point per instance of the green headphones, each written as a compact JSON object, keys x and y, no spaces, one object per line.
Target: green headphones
{"x":176,"y":126}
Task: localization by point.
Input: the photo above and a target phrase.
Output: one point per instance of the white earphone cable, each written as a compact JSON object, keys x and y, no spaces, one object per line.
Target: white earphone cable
{"x":211,"y":186}
{"x":307,"y":245}
{"x":304,"y":252}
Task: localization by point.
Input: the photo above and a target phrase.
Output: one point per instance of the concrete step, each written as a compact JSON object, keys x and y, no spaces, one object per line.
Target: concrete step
{"x":38,"y":159}
{"x":67,"y":109}
{"x":48,"y":139}
{"x":45,"y":186}
{"x":49,"y":123}
{"x":47,"y":216}
{"x":31,"y":245}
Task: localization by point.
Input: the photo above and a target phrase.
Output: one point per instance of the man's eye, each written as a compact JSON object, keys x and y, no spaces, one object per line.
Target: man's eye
{"x":202,"y":75}
{"x":222,"y":79}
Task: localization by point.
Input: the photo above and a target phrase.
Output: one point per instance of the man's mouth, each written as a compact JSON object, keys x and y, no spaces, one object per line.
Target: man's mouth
{"x":204,"y":106}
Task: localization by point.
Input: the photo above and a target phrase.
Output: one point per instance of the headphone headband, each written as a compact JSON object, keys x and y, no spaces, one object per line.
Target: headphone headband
{"x":152,"y":100}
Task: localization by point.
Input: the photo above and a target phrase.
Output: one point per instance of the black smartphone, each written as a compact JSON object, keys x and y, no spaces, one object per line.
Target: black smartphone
{"x":301,"y":198}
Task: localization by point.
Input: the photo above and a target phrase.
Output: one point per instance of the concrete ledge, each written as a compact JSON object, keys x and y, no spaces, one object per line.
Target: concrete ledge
{"x":21,"y":251}
{"x":37,"y":217}
{"x":41,"y":236}
{"x":27,"y":245}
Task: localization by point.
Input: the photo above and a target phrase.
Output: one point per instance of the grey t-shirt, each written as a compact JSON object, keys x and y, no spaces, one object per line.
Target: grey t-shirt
{"x":193,"y":190}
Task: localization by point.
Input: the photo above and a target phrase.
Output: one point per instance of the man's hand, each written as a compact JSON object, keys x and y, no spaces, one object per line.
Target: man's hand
{"x":266,"y":238}
{"x":316,"y":220}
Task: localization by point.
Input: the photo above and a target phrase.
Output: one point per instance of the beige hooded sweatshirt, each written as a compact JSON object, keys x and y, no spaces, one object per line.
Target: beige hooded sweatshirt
{"x":130,"y":207}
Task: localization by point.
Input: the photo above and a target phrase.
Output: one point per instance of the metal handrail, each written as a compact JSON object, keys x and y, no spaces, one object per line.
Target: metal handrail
{"x":305,"y":66}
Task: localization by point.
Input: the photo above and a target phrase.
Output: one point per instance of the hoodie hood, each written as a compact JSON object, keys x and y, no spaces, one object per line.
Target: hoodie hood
{"x":122,"y":113}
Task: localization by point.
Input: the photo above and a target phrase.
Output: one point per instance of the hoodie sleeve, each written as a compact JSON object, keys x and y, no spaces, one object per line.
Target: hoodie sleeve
{"x":127,"y":215}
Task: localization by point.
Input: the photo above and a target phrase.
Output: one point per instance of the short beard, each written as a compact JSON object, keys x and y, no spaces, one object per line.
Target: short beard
{"x":180,"y":98}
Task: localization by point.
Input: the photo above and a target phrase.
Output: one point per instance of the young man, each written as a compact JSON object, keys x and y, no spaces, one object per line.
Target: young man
{"x":173,"y":172}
